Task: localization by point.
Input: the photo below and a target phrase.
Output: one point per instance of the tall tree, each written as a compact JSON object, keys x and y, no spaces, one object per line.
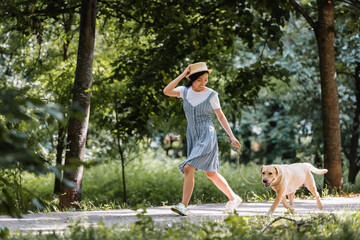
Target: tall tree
{"x":77,"y":130}
{"x":325,"y":35}
{"x":67,"y":23}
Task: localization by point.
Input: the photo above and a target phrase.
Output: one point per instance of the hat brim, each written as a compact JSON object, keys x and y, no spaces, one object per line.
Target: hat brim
{"x":200,"y":70}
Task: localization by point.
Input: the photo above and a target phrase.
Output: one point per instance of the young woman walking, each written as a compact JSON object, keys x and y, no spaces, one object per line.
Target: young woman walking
{"x":199,"y":102}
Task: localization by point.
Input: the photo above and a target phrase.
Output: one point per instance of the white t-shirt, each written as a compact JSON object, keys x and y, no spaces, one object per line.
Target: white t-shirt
{"x":195,"y":98}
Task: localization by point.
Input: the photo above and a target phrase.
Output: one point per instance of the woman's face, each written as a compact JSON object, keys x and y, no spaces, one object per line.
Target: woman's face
{"x":200,"y":83}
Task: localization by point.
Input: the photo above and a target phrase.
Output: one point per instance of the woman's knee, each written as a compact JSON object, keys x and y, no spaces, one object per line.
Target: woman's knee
{"x":188,"y":169}
{"x":211,"y":175}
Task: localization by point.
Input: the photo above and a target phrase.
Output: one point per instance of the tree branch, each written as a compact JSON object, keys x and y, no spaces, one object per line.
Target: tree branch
{"x":351,"y":3}
{"x":119,"y":9}
{"x":296,"y":223}
{"x":262,"y":52}
{"x":50,"y":12}
{"x":54,"y":12}
{"x":305,"y":15}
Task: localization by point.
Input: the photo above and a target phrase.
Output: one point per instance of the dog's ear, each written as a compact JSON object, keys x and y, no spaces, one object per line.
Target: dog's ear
{"x":278,"y":170}
{"x":261,"y":169}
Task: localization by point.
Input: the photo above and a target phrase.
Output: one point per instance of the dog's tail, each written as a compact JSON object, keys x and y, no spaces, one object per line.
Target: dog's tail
{"x":315,"y":170}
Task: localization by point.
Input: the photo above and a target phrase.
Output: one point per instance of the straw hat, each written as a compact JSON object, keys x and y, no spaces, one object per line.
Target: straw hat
{"x":198,"y":67}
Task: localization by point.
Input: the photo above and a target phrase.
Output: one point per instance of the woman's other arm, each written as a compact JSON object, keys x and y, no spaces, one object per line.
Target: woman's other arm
{"x":225,"y":124}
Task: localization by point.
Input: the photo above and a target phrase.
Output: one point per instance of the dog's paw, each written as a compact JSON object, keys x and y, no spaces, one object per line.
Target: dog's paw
{"x":269,"y":213}
{"x":290,"y":212}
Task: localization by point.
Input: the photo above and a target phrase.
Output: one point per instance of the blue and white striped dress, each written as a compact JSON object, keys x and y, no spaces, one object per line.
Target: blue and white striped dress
{"x":202,"y":145}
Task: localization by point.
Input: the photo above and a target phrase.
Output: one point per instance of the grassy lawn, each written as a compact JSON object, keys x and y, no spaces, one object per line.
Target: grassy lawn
{"x":154,"y":179}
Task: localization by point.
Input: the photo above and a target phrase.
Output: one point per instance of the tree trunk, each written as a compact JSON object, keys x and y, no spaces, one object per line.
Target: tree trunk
{"x":62,"y":128}
{"x":77,"y":130}
{"x":59,"y":162}
{"x":122,"y":170}
{"x":325,"y":35}
{"x":118,"y":139}
{"x":353,"y":156}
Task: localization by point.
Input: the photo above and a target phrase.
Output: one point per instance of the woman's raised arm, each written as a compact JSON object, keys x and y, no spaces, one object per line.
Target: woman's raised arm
{"x":169,"y":89}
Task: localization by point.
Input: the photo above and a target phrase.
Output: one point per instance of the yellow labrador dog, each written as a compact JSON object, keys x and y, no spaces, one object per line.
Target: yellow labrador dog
{"x":287,"y":179}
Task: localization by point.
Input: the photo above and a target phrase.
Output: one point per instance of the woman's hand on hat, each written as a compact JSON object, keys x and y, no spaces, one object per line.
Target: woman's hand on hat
{"x":186,"y":71}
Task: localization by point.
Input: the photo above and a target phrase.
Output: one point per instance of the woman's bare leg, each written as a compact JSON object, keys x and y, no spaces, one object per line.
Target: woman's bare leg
{"x":188,"y":183}
{"x":221,"y":183}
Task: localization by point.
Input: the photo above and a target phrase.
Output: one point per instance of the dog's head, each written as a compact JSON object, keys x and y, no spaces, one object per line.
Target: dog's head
{"x":269,"y":174}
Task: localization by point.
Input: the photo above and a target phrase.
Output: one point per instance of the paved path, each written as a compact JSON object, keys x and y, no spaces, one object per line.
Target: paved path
{"x":59,"y":221}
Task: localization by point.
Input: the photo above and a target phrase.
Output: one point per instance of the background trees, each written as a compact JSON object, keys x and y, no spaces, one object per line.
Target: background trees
{"x":264,"y":56}
{"x":348,"y":74}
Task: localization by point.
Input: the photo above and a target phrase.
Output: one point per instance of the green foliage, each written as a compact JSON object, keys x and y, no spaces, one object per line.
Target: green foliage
{"x":347,"y":40}
{"x":20,"y":109}
{"x":315,"y":226}
{"x":156,"y":44}
{"x":16,"y":156}
{"x":285,"y":123}
{"x":244,"y":89}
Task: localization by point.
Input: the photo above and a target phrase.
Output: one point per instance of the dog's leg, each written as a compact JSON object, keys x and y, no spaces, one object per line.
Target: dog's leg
{"x":312,"y":188}
{"x":291,"y":199}
{"x":286,"y":205}
{"x":279,"y":197}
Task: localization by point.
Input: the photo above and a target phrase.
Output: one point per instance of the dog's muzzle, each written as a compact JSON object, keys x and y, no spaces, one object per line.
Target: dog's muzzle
{"x":266,"y":182}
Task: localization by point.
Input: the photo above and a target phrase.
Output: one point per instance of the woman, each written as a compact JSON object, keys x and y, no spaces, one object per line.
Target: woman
{"x":202,"y":147}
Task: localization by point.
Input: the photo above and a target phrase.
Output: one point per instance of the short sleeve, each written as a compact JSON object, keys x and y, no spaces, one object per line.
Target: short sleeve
{"x":180,"y":90}
{"x":215,"y":102}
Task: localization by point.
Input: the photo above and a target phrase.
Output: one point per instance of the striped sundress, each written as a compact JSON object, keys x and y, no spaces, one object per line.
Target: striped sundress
{"x":202,"y":145}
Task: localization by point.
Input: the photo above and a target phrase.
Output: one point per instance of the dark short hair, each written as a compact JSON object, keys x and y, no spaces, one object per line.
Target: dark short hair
{"x":195,"y":76}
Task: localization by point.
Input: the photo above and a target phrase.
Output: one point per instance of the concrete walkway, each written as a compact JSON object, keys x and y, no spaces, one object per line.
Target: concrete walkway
{"x":59,"y":221}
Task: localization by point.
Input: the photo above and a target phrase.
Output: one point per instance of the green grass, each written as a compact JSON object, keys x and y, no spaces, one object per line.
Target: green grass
{"x":153,"y":179}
